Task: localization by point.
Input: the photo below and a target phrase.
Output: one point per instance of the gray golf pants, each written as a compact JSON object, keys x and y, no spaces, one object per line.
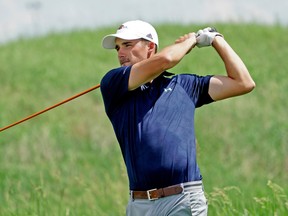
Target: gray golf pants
{"x":191,"y":202}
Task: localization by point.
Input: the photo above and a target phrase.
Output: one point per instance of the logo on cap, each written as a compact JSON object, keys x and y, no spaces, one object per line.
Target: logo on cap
{"x":122,"y":26}
{"x":149,"y":36}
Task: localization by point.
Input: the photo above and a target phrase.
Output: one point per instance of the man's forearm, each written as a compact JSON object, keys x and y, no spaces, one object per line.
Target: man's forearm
{"x":177,"y":51}
{"x":235,"y":67}
{"x":147,"y":70}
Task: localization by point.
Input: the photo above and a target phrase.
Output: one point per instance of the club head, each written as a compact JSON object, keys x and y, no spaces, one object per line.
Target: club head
{"x":213,"y":29}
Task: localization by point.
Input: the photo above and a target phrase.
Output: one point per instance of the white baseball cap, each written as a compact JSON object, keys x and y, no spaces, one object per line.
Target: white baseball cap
{"x":131,"y":30}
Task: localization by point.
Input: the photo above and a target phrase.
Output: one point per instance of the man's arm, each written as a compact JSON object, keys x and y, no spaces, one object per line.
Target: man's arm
{"x":147,"y":70}
{"x":238,"y":80}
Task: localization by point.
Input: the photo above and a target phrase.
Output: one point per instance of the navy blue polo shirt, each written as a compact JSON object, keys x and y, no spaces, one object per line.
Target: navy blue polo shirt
{"x":154,"y":125}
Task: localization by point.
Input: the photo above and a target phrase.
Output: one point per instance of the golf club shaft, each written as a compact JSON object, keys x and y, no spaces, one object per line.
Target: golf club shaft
{"x":49,"y":108}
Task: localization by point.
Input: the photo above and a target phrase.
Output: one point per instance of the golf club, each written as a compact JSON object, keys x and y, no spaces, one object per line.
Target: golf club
{"x":49,"y":108}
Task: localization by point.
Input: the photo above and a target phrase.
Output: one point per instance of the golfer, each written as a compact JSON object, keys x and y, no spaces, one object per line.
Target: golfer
{"x":152,"y":113}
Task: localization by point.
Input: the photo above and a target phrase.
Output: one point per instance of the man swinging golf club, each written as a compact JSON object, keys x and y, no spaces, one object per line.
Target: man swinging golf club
{"x":153,"y":115}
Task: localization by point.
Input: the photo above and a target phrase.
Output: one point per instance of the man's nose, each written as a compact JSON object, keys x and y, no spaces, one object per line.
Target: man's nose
{"x":120,"y":52}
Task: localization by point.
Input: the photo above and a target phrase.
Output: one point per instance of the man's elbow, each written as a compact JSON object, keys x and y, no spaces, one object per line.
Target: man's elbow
{"x":248,"y":86}
{"x":167,"y":61}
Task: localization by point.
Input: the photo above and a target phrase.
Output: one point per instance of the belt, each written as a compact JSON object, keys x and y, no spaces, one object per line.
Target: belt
{"x":157,"y":193}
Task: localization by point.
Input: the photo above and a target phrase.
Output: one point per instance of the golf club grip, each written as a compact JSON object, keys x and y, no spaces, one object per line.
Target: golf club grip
{"x":51,"y":107}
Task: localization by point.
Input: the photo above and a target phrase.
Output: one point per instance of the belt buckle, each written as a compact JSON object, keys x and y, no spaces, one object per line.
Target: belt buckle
{"x":149,"y":195}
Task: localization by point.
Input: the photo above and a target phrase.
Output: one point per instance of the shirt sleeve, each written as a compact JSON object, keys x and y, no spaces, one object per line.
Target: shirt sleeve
{"x":197,"y":88}
{"x":114,"y":86}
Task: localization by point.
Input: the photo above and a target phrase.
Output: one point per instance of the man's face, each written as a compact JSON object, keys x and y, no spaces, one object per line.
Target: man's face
{"x":131,"y":51}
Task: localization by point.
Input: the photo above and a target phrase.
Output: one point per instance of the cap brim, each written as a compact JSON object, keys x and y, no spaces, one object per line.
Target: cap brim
{"x":108,"y":41}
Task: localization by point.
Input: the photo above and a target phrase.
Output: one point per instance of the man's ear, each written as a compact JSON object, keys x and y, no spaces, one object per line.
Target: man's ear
{"x":151,"y":49}
{"x":152,"y":46}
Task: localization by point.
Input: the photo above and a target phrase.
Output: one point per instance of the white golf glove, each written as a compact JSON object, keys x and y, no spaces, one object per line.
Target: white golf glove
{"x":206,"y":36}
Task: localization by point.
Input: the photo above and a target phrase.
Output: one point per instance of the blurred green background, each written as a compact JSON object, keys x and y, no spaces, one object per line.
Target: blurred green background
{"x":67,"y":161}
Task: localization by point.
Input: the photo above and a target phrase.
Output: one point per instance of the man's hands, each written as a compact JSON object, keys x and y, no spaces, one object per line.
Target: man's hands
{"x":206,"y":36}
{"x":191,"y":37}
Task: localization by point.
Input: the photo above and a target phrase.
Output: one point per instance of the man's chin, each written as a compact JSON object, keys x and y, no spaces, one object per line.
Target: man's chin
{"x":126,"y":64}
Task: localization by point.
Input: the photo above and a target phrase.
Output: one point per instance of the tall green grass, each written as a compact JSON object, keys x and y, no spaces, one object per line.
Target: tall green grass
{"x":67,"y":161}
